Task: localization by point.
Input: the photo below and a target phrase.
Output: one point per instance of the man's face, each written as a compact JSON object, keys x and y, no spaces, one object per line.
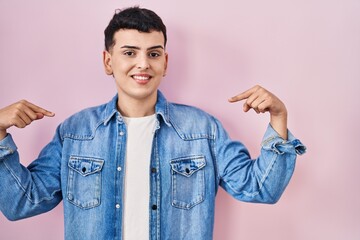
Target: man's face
{"x":138,"y":62}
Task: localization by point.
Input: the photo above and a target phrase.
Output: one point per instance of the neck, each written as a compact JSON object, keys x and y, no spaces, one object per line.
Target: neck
{"x":135,"y":108}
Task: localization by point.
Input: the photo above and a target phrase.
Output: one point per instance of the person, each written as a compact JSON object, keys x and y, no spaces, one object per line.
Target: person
{"x":140,"y":167}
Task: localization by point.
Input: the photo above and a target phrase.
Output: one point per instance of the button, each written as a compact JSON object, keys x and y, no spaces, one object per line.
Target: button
{"x":119,"y":169}
{"x":154,"y":207}
{"x":187,"y":170}
{"x":70,"y":197}
{"x":121,"y":133}
{"x":117,"y":205}
{"x":153,"y":170}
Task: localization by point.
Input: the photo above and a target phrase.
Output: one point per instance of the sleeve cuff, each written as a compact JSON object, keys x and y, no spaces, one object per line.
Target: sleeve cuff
{"x":273,"y":142}
{"x":7,"y":146}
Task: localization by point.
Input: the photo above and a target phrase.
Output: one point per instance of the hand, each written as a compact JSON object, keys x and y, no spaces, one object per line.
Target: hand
{"x":20,"y":115}
{"x":261,"y":100}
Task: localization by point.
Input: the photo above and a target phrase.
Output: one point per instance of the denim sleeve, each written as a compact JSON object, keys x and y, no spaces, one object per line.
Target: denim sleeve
{"x":32,"y":190}
{"x":261,"y":180}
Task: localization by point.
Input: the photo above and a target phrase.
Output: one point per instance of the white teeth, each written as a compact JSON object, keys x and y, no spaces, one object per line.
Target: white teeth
{"x":142,"y":78}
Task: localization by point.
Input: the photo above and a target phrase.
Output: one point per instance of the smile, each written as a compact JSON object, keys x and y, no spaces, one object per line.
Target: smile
{"x":141,"y":78}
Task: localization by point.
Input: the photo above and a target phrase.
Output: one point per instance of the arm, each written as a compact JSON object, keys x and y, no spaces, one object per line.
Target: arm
{"x":260,"y":180}
{"x":263,"y":179}
{"x":27,"y":191}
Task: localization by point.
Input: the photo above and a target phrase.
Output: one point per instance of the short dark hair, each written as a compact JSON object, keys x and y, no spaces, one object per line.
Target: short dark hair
{"x":141,"y":19}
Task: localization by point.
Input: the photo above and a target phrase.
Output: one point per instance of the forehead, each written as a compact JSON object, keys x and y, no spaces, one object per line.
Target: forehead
{"x":132,"y":37}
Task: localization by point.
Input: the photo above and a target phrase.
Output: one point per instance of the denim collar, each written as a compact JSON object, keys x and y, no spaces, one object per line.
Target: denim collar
{"x":161,"y":109}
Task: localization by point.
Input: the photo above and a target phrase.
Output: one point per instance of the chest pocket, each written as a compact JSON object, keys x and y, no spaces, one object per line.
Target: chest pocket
{"x":84,"y":181}
{"x":188,"y":181}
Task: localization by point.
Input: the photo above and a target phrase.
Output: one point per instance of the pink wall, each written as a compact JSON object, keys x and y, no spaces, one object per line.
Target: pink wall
{"x":307,"y":52}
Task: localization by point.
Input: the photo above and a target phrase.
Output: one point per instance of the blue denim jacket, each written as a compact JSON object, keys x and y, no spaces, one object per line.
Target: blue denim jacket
{"x":191,"y":156}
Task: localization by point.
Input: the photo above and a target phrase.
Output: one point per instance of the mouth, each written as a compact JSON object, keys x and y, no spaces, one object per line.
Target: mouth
{"x":141,"y":78}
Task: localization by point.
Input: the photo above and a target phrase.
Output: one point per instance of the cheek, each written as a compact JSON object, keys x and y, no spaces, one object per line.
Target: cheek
{"x":121,"y":67}
{"x":160,"y":68}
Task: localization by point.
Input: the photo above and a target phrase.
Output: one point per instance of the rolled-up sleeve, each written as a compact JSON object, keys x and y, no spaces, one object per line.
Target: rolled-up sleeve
{"x":28,"y":191}
{"x":273,"y":142}
{"x":7,"y":147}
{"x":260,"y":180}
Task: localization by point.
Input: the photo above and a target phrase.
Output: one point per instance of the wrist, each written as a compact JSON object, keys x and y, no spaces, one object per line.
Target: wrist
{"x":3,"y":134}
{"x":279,"y":117}
{"x":279,"y":124}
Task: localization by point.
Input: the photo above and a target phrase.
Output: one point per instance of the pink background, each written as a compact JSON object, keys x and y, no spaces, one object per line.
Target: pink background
{"x":306,"y":52}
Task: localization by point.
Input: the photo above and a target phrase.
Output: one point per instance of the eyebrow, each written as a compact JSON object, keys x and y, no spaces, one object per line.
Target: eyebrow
{"x":137,"y":48}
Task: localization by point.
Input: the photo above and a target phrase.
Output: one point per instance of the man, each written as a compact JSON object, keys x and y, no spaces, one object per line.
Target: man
{"x":140,"y":167}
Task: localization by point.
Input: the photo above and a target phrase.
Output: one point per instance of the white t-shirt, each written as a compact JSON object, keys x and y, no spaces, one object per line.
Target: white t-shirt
{"x":140,"y":134}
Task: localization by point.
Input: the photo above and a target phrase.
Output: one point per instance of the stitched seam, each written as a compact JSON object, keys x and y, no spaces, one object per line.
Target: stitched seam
{"x":192,"y":137}
{"x":214,"y":153}
{"x":167,"y":112}
{"x":261,"y":183}
{"x":269,"y":139}
{"x":25,"y":192}
{"x":78,"y":137}
{"x":267,"y":172}
{"x":84,"y":137}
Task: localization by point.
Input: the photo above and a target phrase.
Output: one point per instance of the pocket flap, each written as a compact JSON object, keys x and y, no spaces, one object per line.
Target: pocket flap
{"x":187,"y":166}
{"x":85,"y":165}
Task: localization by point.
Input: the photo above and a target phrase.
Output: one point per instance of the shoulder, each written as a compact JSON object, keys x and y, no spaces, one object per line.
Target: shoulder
{"x":191,"y":122}
{"x":83,"y":123}
{"x":179,"y":110}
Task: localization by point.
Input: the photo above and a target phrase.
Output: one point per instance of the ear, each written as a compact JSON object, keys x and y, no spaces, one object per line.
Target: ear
{"x":166,"y":63}
{"x":107,"y":63}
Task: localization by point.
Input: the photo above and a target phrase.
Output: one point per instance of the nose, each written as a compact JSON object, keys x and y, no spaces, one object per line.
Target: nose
{"x":143,"y":62}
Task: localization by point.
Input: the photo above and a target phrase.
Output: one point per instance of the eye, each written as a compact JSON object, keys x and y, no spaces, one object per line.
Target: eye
{"x":154,"y":54}
{"x":129,"y":53}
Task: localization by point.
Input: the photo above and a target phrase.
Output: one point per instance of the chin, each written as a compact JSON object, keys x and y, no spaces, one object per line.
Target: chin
{"x":143,"y":94}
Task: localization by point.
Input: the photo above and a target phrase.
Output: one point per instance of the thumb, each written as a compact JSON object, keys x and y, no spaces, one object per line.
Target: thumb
{"x":39,"y":116}
{"x":246,"y":107}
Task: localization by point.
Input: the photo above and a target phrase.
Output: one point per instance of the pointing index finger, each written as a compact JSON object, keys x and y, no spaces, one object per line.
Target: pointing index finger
{"x":243,"y":95}
{"x":38,"y":110}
